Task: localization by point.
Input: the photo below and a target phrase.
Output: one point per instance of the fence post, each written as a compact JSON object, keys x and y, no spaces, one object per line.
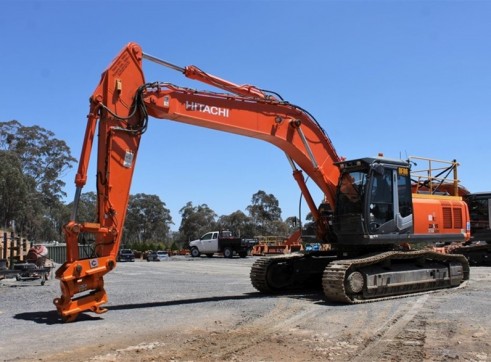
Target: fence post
{"x":12,"y":246}
{"x":4,"y":245}
{"x":24,"y":248}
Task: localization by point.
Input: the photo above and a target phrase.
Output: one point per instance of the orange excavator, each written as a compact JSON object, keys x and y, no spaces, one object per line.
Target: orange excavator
{"x":369,"y":214}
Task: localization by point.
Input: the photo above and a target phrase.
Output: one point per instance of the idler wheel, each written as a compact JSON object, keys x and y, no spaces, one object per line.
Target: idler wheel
{"x":355,"y":282}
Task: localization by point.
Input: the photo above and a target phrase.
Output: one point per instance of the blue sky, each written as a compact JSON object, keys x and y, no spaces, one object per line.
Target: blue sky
{"x":398,"y":77}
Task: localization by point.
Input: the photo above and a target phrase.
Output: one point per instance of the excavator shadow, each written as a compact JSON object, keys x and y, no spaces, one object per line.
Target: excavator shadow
{"x":52,"y":317}
{"x":311,"y":296}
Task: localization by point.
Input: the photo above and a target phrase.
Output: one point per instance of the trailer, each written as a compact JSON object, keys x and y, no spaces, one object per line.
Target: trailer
{"x":26,"y":271}
{"x":37,"y":266}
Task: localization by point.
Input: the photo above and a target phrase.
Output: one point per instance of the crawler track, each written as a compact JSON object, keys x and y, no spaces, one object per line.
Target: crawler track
{"x":278,"y":274}
{"x":261,"y":278}
{"x":335,"y":277}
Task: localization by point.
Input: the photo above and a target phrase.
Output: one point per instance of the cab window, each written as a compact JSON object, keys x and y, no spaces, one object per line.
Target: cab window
{"x":404,"y":192}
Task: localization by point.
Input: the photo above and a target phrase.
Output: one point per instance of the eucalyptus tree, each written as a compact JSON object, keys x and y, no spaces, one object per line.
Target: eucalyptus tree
{"x":265,"y":213}
{"x":43,"y":160}
{"x":237,"y":222}
{"x":147,"y":220}
{"x":196,"y":220}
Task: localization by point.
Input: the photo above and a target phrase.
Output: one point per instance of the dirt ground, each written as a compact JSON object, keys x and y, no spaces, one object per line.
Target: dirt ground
{"x":237,"y":324}
{"x":412,"y":334}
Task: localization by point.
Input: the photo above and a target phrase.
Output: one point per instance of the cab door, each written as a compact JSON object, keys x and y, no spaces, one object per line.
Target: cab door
{"x":389,"y":204}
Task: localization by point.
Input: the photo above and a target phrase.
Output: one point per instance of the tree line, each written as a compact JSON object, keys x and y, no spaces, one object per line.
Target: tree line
{"x":32,"y":163}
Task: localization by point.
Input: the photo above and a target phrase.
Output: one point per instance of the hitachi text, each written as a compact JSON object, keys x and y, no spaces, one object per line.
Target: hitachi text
{"x":213,"y":110}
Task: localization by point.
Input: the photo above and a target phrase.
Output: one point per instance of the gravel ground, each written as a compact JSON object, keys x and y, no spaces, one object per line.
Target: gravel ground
{"x":206,"y":310}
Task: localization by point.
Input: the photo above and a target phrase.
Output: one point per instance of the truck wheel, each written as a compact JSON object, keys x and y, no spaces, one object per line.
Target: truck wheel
{"x":228,"y":253}
{"x":195,"y":252}
{"x":243,"y":254}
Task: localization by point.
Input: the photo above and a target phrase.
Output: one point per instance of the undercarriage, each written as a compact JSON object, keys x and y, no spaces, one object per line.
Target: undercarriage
{"x":478,"y":254}
{"x":356,"y":280}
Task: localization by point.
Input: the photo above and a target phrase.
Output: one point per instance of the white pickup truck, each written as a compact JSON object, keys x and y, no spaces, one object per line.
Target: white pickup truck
{"x":219,"y":242}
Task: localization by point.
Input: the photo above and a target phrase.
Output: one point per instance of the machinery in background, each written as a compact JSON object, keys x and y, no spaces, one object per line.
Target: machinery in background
{"x":36,"y":266}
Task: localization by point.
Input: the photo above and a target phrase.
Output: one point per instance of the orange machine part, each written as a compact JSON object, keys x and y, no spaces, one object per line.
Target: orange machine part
{"x":269,"y":120}
{"x":118,"y":144}
{"x":440,"y":215}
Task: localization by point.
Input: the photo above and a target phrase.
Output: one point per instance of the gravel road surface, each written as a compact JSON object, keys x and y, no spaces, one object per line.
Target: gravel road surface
{"x":206,"y":310}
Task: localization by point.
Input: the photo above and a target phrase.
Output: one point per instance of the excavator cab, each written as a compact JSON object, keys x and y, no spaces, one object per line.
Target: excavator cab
{"x":374,"y":204}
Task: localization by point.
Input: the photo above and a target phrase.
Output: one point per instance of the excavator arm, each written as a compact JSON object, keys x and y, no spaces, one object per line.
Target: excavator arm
{"x":119,"y":110}
{"x":120,"y":126}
